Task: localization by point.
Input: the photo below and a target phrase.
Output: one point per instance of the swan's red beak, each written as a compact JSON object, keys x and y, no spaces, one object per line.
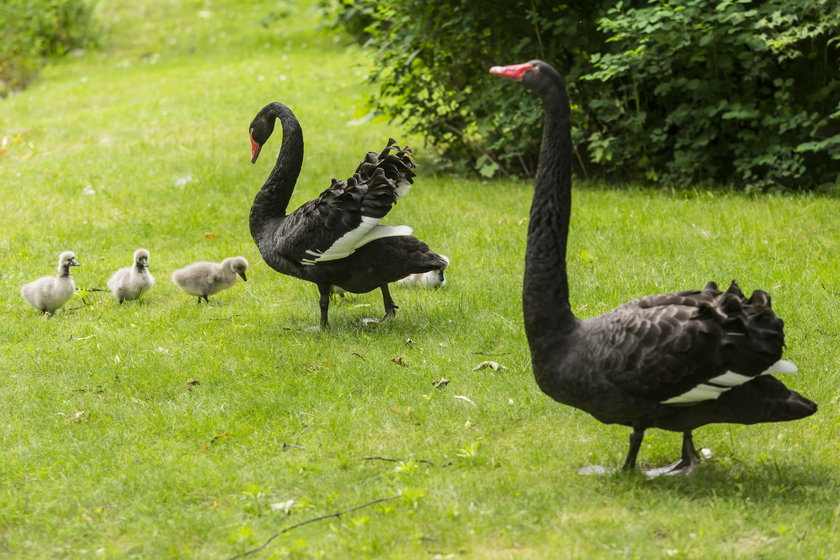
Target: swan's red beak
{"x":255,"y":149}
{"x":513,"y":72}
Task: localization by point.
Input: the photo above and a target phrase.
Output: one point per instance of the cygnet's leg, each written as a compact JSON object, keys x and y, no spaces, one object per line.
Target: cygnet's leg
{"x":324,"y":303}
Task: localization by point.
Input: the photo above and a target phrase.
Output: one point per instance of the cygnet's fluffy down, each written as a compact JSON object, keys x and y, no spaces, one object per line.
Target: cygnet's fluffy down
{"x":49,"y":293}
{"x":132,"y":281}
{"x":432,"y":279}
{"x":206,"y":278}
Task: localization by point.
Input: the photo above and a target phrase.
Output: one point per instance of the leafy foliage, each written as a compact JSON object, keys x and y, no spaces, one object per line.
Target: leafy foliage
{"x":30,"y":32}
{"x":432,"y":63}
{"x":742,"y":93}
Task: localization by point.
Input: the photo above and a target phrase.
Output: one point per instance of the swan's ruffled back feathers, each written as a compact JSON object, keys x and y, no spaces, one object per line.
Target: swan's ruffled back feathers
{"x":662,"y":346}
{"x":342,"y":218}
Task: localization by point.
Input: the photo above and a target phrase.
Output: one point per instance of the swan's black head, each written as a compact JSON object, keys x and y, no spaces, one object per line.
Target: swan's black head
{"x":260,"y":129}
{"x":537,"y":75}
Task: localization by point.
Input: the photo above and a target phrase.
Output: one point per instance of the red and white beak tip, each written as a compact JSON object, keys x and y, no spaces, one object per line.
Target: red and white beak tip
{"x":255,"y":150}
{"x":512,"y":72}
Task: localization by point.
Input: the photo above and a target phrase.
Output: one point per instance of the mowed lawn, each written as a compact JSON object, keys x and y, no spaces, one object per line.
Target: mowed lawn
{"x":166,"y":429}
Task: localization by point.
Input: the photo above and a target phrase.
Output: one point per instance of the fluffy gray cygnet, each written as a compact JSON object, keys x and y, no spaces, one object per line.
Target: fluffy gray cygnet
{"x":49,"y":293}
{"x":431,"y":279}
{"x":132,"y":281}
{"x":206,"y":278}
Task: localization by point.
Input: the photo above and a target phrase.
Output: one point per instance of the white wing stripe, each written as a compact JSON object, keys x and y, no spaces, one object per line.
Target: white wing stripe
{"x":364,"y":233}
{"x":730,"y":379}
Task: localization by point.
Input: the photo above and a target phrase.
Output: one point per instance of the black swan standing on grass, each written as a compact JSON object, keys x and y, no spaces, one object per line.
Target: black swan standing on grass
{"x":336,"y":239}
{"x":673,"y":361}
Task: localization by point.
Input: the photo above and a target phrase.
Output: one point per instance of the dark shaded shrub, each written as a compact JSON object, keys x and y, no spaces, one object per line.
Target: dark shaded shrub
{"x":746,"y":93}
{"x":737,"y":92}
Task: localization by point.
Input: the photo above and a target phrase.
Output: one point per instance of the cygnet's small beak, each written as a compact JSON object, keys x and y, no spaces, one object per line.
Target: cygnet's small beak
{"x":74,"y":262}
{"x":242,"y":275}
{"x":143,"y":262}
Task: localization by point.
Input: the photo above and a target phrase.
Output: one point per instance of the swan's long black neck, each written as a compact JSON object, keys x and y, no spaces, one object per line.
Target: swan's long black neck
{"x":272,"y":200}
{"x":545,"y":297}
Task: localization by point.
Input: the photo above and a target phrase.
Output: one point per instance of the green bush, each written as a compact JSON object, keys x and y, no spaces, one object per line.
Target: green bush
{"x":746,"y":93}
{"x":736,"y":92}
{"x":432,"y":62}
{"x":32,"y":31}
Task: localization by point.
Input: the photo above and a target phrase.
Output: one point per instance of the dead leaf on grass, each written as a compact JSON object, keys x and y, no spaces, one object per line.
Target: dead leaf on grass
{"x":80,"y":416}
{"x":440,"y":383}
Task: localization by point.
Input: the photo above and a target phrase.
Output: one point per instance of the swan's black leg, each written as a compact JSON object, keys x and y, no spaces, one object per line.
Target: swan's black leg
{"x":685,"y":465}
{"x":689,"y":457}
{"x":635,"y":444}
{"x":689,"y":452}
{"x":324,"y":303}
{"x":390,"y":306}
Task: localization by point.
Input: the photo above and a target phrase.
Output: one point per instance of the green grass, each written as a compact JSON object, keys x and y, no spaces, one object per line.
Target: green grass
{"x":110,"y":450}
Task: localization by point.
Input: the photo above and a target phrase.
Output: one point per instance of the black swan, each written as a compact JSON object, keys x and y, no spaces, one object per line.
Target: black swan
{"x":673,"y":361}
{"x":335,"y":239}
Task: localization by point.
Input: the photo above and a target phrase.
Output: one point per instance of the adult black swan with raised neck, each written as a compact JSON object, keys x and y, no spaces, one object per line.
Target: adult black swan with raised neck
{"x":673,"y":361}
{"x":335,"y":239}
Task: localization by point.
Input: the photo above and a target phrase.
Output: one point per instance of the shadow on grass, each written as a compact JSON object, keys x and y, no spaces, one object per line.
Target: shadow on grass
{"x":765,"y":482}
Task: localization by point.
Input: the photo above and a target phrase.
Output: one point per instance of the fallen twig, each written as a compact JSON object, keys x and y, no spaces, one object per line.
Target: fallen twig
{"x":285,"y":445}
{"x":308,"y":521}
{"x":377,"y":458}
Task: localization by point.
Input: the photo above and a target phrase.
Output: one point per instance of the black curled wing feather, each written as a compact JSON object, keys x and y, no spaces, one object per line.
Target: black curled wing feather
{"x":662,"y":346}
{"x":332,"y":225}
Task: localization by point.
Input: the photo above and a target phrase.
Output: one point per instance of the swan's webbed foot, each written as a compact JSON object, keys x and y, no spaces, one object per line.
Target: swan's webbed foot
{"x":685,"y":466}
{"x":687,"y":463}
